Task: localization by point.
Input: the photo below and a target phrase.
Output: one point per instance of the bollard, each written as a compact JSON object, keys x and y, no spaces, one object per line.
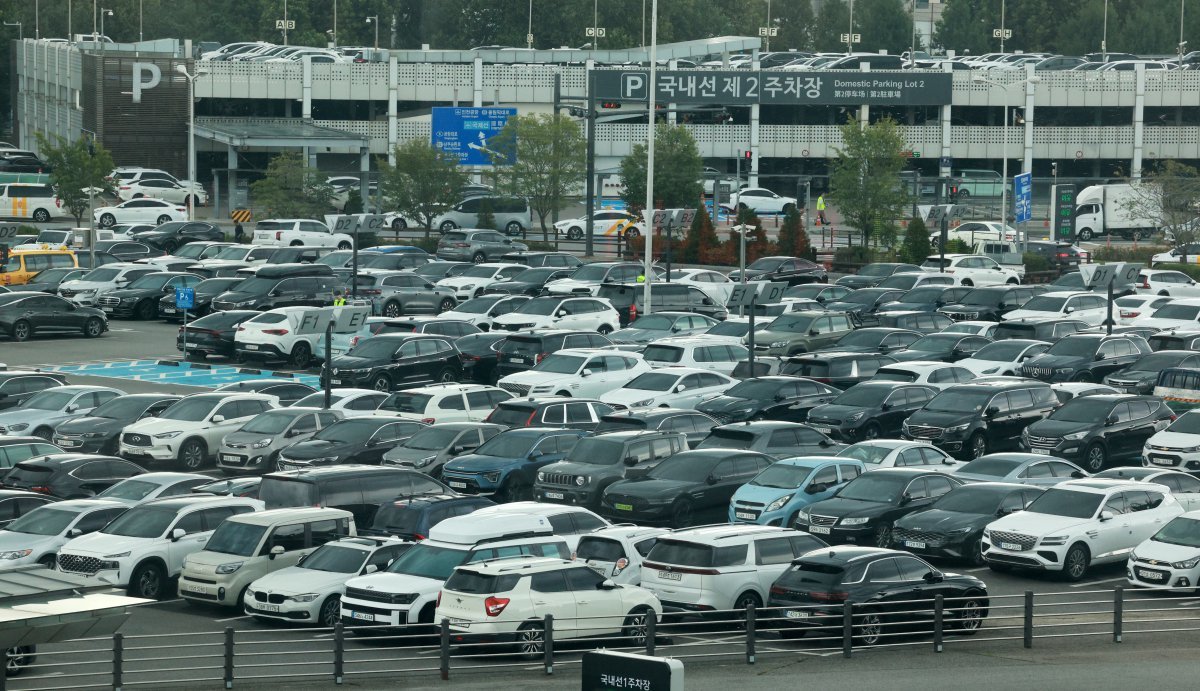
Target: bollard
{"x":229,"y":657}
{"x":847,"y":629}
{"x":548,"y":636}
{"x":751,"y":616}
{"x":939,"y":618}
{"x":445,"y":649}
{"x":118,"y":660}
{"x":1028,"y":618}
{"x":339,"y":652}
{"x":651,"y":632}
{"x":1118,"y":613}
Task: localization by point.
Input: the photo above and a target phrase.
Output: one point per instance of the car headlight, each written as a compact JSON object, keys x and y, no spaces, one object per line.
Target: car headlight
{"x":802,"y":516}
{"x":1063,"y":370}
{"x":116,"y":556}
{"x":860,"y":520}
{"x":261,"y":443}
{"x":424,"y":461}
{"x":1192,"y":449}
{"x":991,"y":370}
{"x":492,"y":476}
{"x":642,"y":404}
{"x":18,"y":427}
{"x":167,"y":435}
{"x":581,"y":480}
{"x":959,"y":428}
{"x":305,"y":597}
{"x":1189,"y":564}
{"x":92,"y":435}
{"x":1076,"y":436}
{"x":541,"y":389}
{"x":230,"y":567}
{"x":780,"y":502}
{"x":541,"y":477}
{"x":1055,"y":540}
{"x":128,"y":301}
{"x":468,"y":286}
{"x":245,"y":303}
{"x":856,"y":416}
{"x":779,"y":344}
{"x":110,"y":561}
{"x":958,"y":531}
{"x":15,"y":554}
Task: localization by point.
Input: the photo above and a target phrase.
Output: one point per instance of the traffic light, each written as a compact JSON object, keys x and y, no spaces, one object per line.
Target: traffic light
{"x":610,"y":105}
{"x":1054,"y":169}
{"x":748,"y":155}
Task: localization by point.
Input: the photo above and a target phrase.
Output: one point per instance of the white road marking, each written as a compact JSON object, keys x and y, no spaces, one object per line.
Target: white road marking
{"x":244,"y":616}
{"x":1105,"y":580}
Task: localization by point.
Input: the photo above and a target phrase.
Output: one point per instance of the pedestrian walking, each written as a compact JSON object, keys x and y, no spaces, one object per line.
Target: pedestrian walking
{"x":821,"y":210}
{"x":239,"y":233}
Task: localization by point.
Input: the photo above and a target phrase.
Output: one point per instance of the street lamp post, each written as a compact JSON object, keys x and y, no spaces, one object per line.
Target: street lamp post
{"x":375,"y":20}
{"x":648,"y":271}
{"x":191,"y":78}
{"x":104,"y":12}
{"x":1004,"y":149}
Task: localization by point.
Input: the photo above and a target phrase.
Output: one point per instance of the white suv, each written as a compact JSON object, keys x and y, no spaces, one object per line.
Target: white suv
{"x":1088,"y":307}
{"x":724,"y":567}
{"x":191,"y":430}
{"x":444,"y":403}
{"x":85,"y":289}
{"x":275,"y":335}
{"x":506,"y":600}
{"x":568,"y":522}
{"x":287,"y":232}
{"x":711,"y":353}
{"x":405,"y":593}
{"x":475,"y":280}
{"x":1078,"y":523}
{"x":145,"y":547}
{"x":584,"y":314}
{"x":617,"y":553}
{"x":577,"y":372}
{"x":972,"y":270}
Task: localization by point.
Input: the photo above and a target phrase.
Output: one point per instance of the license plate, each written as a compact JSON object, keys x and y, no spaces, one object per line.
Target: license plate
{"x":194,"y":588}
{"x":364,"y":616}
{"x":823,"y":430}
{"x":818,"y":530}
{"x":554,"y":495}
{"x":914,"y":545}
{"x":168,"y":310}
{"x":1044,"y":452}
{"x":1010,"y":546}
{"x":1161,"y":461}
{"x":797,"y":614}
{"x":266,"y":608}
{"x":623,"y":507}
{"x":229,"y":458}
{"x":746,"y":515}
{"x":335,"y":382}
{"x":251,"y":346}
{"x":670,"y":576}
{"x":457,"y":485}
{"x":1150,"y":575}
{"x":107,"y":309}
{"x":518,"y":360}
{"x":67,"y":443}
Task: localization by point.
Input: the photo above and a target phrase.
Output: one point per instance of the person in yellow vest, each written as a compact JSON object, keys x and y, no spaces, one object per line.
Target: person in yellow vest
{"x":339,"y":297}
{"x":641,"y":278}
{"x":821,"y":210}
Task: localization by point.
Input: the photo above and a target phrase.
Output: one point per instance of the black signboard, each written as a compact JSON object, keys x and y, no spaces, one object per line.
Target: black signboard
{"x":777,"y":87}
{"x":614,"y":671}
{"x":1064,"y":213}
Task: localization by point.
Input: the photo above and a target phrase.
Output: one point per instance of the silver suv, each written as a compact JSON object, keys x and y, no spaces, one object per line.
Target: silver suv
{"x":511,"y":213}
{"x":396,"y":293}
{"x":476,"y":246}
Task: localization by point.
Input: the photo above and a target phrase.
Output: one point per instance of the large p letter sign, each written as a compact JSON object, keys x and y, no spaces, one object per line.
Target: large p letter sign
{"x":140,"y":70}
{"x":633,"y":86}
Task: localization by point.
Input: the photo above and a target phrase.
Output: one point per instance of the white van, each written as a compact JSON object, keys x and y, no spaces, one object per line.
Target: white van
{"x":246,"y":548}
{"x":35,"y":201}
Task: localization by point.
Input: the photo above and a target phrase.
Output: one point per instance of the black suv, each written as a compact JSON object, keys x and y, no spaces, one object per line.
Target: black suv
{"x":140,"y":299}
{"x":410,"y":518}
{"x":946,"y":347}
{"x":778,"y":439}
{"x":870,"y":410}
{"x":1141,"y":376}
{"x":203,"y":294}
{"x":1086,"y":357}
{"x":926,"y":299}
{"x":871,"y":274}
{"x":1094,"y":431}
{"x":521,"y":351}
{"x":629,"y":300}
{"x":865,"y":302}
{"x":875,"y":339}
{"x":990,"y":303}
{"x":768,"y":398}
{"x":281,"y":285}
{"x":691,"y":424}
{"x":529,"y":282}
{"x":1049,"y":331}
{"x":953,"y":526}
{"x":596,"y":462}
{"x":172,"y":235}
{"x":840,"y":370}
{"x":1063,"y":256}
{"x":971,"y":420}
{"x":389,"y":362}
{"x":570,"y":413}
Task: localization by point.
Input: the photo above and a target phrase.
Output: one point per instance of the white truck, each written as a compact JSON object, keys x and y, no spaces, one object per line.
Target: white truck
{"x":1130,"y":210}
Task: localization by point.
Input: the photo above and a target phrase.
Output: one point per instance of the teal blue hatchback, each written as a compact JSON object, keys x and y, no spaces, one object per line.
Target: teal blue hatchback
{"x":775,"y":495}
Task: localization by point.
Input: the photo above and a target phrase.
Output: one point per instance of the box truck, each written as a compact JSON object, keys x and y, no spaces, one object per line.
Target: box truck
{"x":1129,"y":210}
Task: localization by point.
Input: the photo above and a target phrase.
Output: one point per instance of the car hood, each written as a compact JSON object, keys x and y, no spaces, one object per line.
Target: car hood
{"x":101,"y":544}
{"x":295,"y":580}
{"x":837,"y":412}
{"x":649,"y":488}
{"x":763,"y":495}
{"x":153,"y":425}
{"x":238,"y":296}
{"x":1056,"y":361}
{"x":962,"y":307}
{"x":938,"y":521}
{"x":751,"y":274}
{"x":907,"y":307}
{"x":90,"y":424}
{"x":460,"y":281}
{"x":1175,"y":440}
{"x":353,"y":362}
{"x":1039,"y":524}
{"x":1157,"y":551}
{"x":16,"y":415}
{"x":768,"y":336}
{"x":516,"y":318}
{"x":848,"y":507}
{"x":1032,"y":315}
{"x":937,"y":418}
{"x":537,"y":378}
{"x":637,"y":335}
{"x":401,"y":454}
{"x":983,"y":366}
{"x":133,"y":293}
{"x":570,"y":285}
{"x":724,"y":403}
{"x":240,"y":437}
{"x":628,"y":397}
{"x":1133,"y":375}
{"x":859,"y":281}
{"x":84,"y":285}
{"x":388,"y":582}
{"x":915,"y":355}
{"x":10,"y":541}
{"x":1059,"y":428}
{"x":845,"y":307}
{"x":479,"y":463}
{"x":316,"y":448}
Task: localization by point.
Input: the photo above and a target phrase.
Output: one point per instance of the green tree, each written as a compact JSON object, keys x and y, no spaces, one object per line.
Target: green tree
{"x":677,"y":170}
{"x":796,"y":26}
{"x":700,"y":240}
{"x":423,"y":183}
{"x":884,"y":25}
{"x":290,"y":189}
{"x":79,"y":166}
{"x":793,"y":238}
{"x":916,"y":242}
{"x":1166,"y":197}
{"x":542,"y":158}
{"x":966,"y":26}
{"x":865,"y":178}
{"x":354,"y":202}
{"x":486,"y":217}
{"x":833,"y":20}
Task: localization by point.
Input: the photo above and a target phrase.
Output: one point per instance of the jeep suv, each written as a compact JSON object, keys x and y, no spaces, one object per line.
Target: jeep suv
{"x":971,"y":420}
{"x":597,"y":462}
{"x":801,"y":332}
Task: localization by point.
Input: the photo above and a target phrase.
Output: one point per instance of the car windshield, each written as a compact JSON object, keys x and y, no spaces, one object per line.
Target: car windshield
{"x":1188,"y":423}
{"x":189,"y":409}
{"x":44,"y":520}
{"x":754,"y":389}
{"x":597,"y":451}
{"x":935,"y":343}
{"x":404,"y":402}
{"x":782,"y":476}
{"x":560,"y":364}
{"x":477,"y":305}
{"x":49,"y":400}
{"x":983,"y":298}
{"x":1083,"y":409}
{"x":593,"y":273}
{"x":431,"y":439}
{"x":539,"y":306}
{"x":480,"y":272}
{"x":1045,"y":303}
{"x":875,"y":487}
{"x":121,"y":408}
{"x":537,"y":275}
{"x":335,"y":559}
{"x":1180,"y":531}
{"x":866,"y":337}
{"x":766,"y":263}
{"x":864,"y":396}
{"x":1000,"y":351}
{"x":150,"y":282}
{"x":238,"y":539}
{"x":141,"y":521}
{"x":508,"y":445}
{"x":653,"y":323}
{"x":270,"y":422}
{"x":653,"y":381}
{"x":52,"y":275}
{"x":1171,"y":311}
{"x":101,"y":275}
{"x":791,"y":323}
{"x":990,"y":467}
{"x":374,"y":348}
{"x":683,"y":469}
{"x":428,"y":561}
{"x":1074,"y":347}
{"x":960,"y":401}
{"x":861,"y":297}
{"x":1158,"y":362}
{"x":234,"y":252}
{"x":972,"y":499}
{"x":187,"y":251}
{"x":730,"y":328}
{"x":1065,"y":502}
{"x":922,"y":295}
{"x":134,"y":490}
{"x":348,"y":431}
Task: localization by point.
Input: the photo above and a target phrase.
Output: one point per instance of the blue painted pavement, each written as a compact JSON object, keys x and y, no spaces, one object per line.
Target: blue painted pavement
{"x":183,"y":373}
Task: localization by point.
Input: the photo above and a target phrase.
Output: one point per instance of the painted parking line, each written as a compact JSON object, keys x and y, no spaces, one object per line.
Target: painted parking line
{"x":1105,"y":580}
{"x":176,"y":372}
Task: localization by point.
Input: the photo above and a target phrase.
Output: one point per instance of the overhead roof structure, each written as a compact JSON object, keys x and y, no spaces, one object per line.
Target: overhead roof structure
{"x":38,"y":605}
{"x":276,"y":133}
{"x":664,"y":51}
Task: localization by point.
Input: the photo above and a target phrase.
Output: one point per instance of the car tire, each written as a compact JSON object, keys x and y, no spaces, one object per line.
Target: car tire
{"x":1011,"y":282}
{"x":868,"y":628}
{"x":882,"y":536}
{"x":633,"y":233}
{"x":871,"y":431}
{"x":447,"y":305}
{"x":192,"y":454}
{"x":968,"y":283}
{"x":170,"y":246}
{"x":478,"y":258}
{"x":447,"y":226}
{"x":974,"y":552}
{"x":345,"y":245}
{"x":148,"y":581}
{"x":681,"y":514}
{"x":381,"y":382}
{"x":48,"y":561}
{"x":1095,"y":458}
{"x":93,"y":328}
{"x":331,"y":612}
{"x":964,"y":194}
{"x":392,"y":309}
{"x":788,"y":208}
{"x":446,"y":376}
{"x":742,"y":603}
{"x":44,"y":433}
{"x":574,"y":233}
{"x":1076,"y":562}
{"x":1084,"y":378}
{"x":300,"y":356}
{"x":147,"y":310}
{"x":21,"y":330}
{"x":399,"y":224}
{"x":296,"y":243}
{"x":513,"y":228}
{"x":531,"y":641}
{"x":1085,"y":233}
{"x":976,"y":446}
{"x":604,"y":330}
{"x":107,"y":220}
{"x":634,"y":629}
{"x":969,"y":615}
{"x":41,"y":215}
{"x":512,"y":492}
{"x":16,"y":659}
{"x":163,"y":219}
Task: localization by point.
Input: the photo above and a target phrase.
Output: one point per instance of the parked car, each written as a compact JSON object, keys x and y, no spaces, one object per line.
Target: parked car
{"x":991,"y":303}
{"x":389,"y":362}
{"x":1087,"y":307}
{"x":672,"y":387}
{"x":693,"y":425}
{"x":898,"y":453}
{"x":781,"y":490}
{"x":202,"y":297}
{"x":213,"y":334}
{"x":1004,"y":357}
{"x":169,"y":237}
{"x":1094,"y":431}
{"x":1086,"y":357}
{"x":99,"y":430}
{"x":507,"y":464}
{"x":17,"y":386}
{"x":428,"y":449}
{"x":190,"y":430}
{"x":530,"y":282}
{"x":790,"y":270}
{"x":139,"y":489}
{"x":1022,"y":468}
{"x":36,"y":536}
{"x":1141,"y":376}
{"x":617,"y":553}
{"x":768,"y":398}
{"x":70,"y":475}
{"x":875,"y":340}
{"x":476,"y":246}
{"x":352,"y":440}
{"x":943,"y":347}
{"x":39,"y":414}
{"x":970,"y":420}
{"x":1167,"y":558}
{"x":254,"y":447}
{"x":143,"y":210}
{"x":582,"y":372}
{"x":564,"y":413}
{"x":396,"y":293}
{"x":411,"y":517}
{"x":24,"y":315}
{"x":801,"y":332}
{"x":481,"y":311}
{"x":596,"y":462}
{"x":870,"y":410}
{"x":582,"y":313}
{"x":871,"y":274}
{"x":952,"y":527}
{"x":444,"y":403}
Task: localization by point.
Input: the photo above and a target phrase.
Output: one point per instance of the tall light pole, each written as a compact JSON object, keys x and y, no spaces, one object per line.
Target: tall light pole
{"x":141,"y":36}
{"x":1004,"y":147}
{"x":375,"y":20}
{"x":1002,"y":4}
{"x":191,"y":78}
{"x":768,"y":36}
{"x":1104,"y":36}
{"x":1182,"y":43}
{"x":648,"y":213}
{"x":104,"y":12}
{"x":334,"y":35}
{"x":850,"y":35}
{"x":529,"y":28}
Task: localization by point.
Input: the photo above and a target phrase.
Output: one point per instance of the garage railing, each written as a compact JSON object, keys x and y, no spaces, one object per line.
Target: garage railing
{"x":224,"y":658}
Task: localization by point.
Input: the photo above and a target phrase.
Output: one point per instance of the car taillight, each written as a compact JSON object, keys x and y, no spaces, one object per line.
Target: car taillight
{"x":354,"y":341}
{"x":58,"y":202}
{"x":439,"y":602}
{"x":40,"y":488}
{"x":1145,"y":284}
{"x":495,"y":605}
{"x":123,"y":187}
{"x":462,"y":244}
{"x":1129,"y":315}
{"x":632,"y":312}
{"x":279,"y":235}
{"x":275,"y":332}
{"x":429,"y":420}
{"x":829,"y":597}
{"x":1063,"y":255}
{"x":539,"y":357}
{"x":529,"y":422}
{"x":418,"y":536}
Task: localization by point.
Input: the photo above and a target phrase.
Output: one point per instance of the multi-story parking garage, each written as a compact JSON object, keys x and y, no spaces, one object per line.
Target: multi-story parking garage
{"x":1094,"y":124}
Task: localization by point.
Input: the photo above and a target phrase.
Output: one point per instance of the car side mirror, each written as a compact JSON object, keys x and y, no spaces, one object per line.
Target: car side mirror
{"x":1069,"y":309}
{"x":177,"y":534}
{"x":905,"y":499}
{"x":681,"y":388}
{"x":711,"y":479}
{"x":606,"y":584}
{"x":992,"y":411}
{"x":218,"y":418}
{"x":812,"y":332}
{"x":1100,"y":356}
{"x":630,"y":461}
{"x":74,"y":532}
{"x":933,"y":577}
{"x":72,"y":408}
{"x":276,"y":551}
{"x":1106,"y":515}
{"x":885,"y":407}
{"x":561,"y":313}
{"x":1005,"y":511}
{"x":371,"y":568}
{"x":586,"y":373}
{"x":1110,"y":421}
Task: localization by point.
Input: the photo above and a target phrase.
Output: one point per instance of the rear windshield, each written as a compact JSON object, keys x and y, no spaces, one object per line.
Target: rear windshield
{"x":462,"y":581}
{"x":727,"y":439}
{"x":282,"y":493}
{"x":515,"y":345}
{"x":454,"y":237}
{"x":679,"y":553}
{"x":27,"y":475}
{"x":806,"y":574}
{"x":511,"y":416}
{"x":599,"y":548}
{"x":619,"y":424}
{"x":398,"y":518}
{"x":659,"y":353}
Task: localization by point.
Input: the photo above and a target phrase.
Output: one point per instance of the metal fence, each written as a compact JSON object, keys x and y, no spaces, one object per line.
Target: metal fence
{"x":212,"y":659}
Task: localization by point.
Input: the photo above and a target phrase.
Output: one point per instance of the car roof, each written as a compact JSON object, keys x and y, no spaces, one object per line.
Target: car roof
{"x":166,"y":477}
{"x":184,"y":501}
{"x":292,"y":513}
{"x":841,"y":555}
{"x":760,"y":426}
{"x":1104,"y":485}
{"x":728,"y":533}
{"x":815,"y":461}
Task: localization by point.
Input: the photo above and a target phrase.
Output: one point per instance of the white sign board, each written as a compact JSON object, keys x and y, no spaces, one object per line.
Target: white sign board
{"x":1119,"y":274}
{"x":346,"y":319}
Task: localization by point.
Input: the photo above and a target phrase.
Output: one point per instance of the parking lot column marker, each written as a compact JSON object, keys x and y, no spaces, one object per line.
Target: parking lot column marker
{"x":229,"y":657}
{"x":1028,"y":618}
{"x":1118,"y":613}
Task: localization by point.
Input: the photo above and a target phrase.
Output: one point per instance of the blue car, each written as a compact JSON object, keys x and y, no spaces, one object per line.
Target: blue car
{"x":775,"y":495}
{"x":505,"y":466}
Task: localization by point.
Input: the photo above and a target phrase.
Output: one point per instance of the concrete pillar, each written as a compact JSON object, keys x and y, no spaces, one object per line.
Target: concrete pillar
{"x":1030,"y":91}
{"x":672,"y":116}
{"x":1139,"y":121}
{"x":231,"y":162}
{"x":364,"y":170}
{"x":306,"y":91}
{"x":754,"y":150}
{"x":944,"y":121}
{"x":864,"y":112}
{"x":477,"y":84}
{"x":393,"y":124}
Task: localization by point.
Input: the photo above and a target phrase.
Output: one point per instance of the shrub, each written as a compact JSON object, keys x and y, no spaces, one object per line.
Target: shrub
{"x":916,"y":242}
{"x":1035,"y":262}
{"x":354,"y":202}
{"x":1139,"y":255}
{"x":487,"y":218}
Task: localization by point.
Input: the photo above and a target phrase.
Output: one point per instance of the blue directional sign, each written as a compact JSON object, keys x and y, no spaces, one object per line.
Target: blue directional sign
{"x":185,"y":298}
{"x":465,"y":132}
{"x":1023,"y":197}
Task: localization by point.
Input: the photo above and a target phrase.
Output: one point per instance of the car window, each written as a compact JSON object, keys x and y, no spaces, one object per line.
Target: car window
{"x":883,"y":571}
{"x":190,"y":523}
{"x":549,"y":582}
{"x":290,"y":537}
{"x":1116,"y":504}
{"x":938,"y":486}
{"x":849,"y":472}
{"x":776,"y":550}
{"x":583,"y":579}
{"x":916,"y":489}
{"x":910,"y":457}
{"x":911,"y":568}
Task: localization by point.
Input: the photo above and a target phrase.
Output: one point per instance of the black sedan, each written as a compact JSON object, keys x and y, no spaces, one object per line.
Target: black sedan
{"x":926,"y":299}
{"x":689,"y":488}
{"x":875,"y":339}
{"x":530,"y":281}
{"x":943,"y":347}
{"x":882,"y":585}
{"x":353,"y":440}
{"x":16,"y":386}
{"x":127,"y":250}
{"x":864,"y":511}
{"x":172,"y":235}
{"x":70,"y":475}
{"x":479,"y":356}
{"x":24,"y":315}
{"x":952,"y":526}
{"x":865,"y":302}
{"x":204,"y":293}
{"x":48,"y":280}
{"x":768,"y":398}
{"x":212,"y":335}
{"x":871,"y":274}
{"x":870,"y":410}
{"x":791,"y":270}
{"x":140,"y":299}
{"x":99,"y":430}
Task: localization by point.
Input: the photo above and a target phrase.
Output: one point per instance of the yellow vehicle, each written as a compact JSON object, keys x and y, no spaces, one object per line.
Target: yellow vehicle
{"x":23,"y":265}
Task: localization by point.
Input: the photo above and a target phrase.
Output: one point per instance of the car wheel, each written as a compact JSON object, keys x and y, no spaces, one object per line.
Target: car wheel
{"x":1094,"y":458}
{"x":41,"y":215}
{"x":331,"y":611}
{"x":869,"y":628}
{"x":447,"y":226}
{"x":44,"y":433}
{"x":399,"y":224}
{"x":574,"y":233}
{"x":301,"y":355}
{"x":345,"y":245}
{"x":170,"y":246}
{"x":1075,"y":564}
{"x":48,"y":561}
{"x":21,"y":330}
{"x":883,"y":535}
{"x":974,"y":552}
{"x":531,"y":641}
{"x":970,"y":614}
{"x":871,"y":431}
{"x":147,"y":581}
{"x":107,"y":220}
{"x":633,"y":233}
{"x":634,"y":629}
{"x":1085,"y":233}
{"x":1138,"y":235}
{"x":964,"y":194}
{"x":17,"y":659}
{"x":93,"y":328}
{"x":789,"y":208}
{"x":512,"y":491}
{"x":381,"y":382}
{"x":1011,"y":282}
{"x":138,"y":195}
{"x":191,"y":454}
{"x":513,"y":228}
{"x":743,"y":603}
{"x":977,"y":446}
{"x":392,"y":309}
{"x":296,"y":243}
{"x":1084,"y":378}
{"x":446,"y":306}
{"x":604,"y":330}
{"x":446,"y":376}
{"x":147,"y":310}
{"x":478,"y":258}
{"x":163,"y":219}
{"x":681,"y":514}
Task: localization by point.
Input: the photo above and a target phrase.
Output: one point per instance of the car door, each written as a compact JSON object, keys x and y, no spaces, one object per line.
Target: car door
{"x":600,"y":610}
{"x":549,"y":593}
{"x":1147,"y":514}
{"x":193,"y":540}
{"x":1109,"y":539}
{"x":1185,"y":488}
{"x":886,"y":587}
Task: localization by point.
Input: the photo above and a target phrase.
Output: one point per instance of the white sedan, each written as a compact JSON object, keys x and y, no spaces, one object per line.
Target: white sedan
{"x":1003,"y":357}
{"x":1130,"y":307}
{"x":715,"y":284}
{"x":669,"y":387}
{"x":760,"y":200}
{"x":1175,"y":284}
{"x":144,"y":210}
{"x":165,"y":190}
{"x":892,"y":453}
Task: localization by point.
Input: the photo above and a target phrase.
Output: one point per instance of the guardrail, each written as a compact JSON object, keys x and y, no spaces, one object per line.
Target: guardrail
{"x":212,"y":659}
